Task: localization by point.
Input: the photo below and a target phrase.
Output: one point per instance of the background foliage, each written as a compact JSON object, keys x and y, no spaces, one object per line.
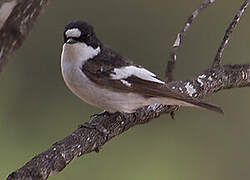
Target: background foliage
{"x":36,"y":108}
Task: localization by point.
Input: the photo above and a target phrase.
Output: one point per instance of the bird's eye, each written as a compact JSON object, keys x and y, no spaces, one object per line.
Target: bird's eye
{"x":71,"y":40}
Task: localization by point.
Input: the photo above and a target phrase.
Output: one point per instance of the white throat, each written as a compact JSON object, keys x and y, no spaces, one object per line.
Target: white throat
{"x":78,"y":53}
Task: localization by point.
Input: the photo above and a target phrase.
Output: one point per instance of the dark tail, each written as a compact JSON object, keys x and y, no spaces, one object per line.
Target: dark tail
{"x":204,"y":105}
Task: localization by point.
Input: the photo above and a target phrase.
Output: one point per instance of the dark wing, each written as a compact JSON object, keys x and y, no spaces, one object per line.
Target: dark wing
{"x":101,"y":68}
{"x":128,"y":77}
{"x":161,"y":90}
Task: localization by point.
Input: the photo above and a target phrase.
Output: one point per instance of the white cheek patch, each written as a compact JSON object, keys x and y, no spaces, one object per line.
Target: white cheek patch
{"x":75,"y":32}
{"x":125,"y":72}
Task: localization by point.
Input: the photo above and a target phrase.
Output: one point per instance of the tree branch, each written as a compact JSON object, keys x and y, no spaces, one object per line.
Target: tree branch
{"x":173,"y":55}
{"x":16,"y":20}
{"x":85,"y":140}
{"x":217,"y":59}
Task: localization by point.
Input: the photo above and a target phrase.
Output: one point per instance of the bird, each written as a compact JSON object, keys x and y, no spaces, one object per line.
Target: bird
{"x":102,"y":77}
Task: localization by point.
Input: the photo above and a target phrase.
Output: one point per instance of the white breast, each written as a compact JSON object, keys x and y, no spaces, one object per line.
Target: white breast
{"x":73,"y":57}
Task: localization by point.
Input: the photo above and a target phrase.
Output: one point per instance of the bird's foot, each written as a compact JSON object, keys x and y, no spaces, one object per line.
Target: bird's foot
{"x":172,"y":113}
{"x":103,"y":113}
{"x":97,"y":126}
{"x":100,"y":124}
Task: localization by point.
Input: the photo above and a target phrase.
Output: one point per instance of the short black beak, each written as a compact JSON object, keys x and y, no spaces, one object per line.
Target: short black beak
{"x":71,"y":41}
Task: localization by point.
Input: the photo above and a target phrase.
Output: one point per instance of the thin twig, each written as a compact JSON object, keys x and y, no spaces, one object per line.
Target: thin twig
{"x":179,"y":38}
{"x":217,"y":59}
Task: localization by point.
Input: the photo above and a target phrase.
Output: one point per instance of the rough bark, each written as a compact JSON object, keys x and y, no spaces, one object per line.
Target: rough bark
{"x":179,"y":38}
{"x":16,"y":20}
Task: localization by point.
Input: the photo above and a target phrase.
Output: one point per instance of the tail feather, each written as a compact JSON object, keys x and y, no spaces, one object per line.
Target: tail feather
{"x":204,"y":105}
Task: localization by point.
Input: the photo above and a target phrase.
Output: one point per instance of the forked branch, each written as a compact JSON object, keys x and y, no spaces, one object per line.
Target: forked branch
{"x":217,"y":59}
{"x":173,"y":54}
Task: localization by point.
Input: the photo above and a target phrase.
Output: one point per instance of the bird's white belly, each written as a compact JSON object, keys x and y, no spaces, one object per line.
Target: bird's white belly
{"x":103,"y":98}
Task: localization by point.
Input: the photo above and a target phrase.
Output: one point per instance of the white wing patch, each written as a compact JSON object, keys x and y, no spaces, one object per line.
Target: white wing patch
{"x":75,"y":32}
{"x":125,"y":72}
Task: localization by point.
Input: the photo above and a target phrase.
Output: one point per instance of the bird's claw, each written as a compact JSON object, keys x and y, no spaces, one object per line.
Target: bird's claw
{"x":98,"y":124}
{"x":172,"y":113}
{"x":103,"y":113}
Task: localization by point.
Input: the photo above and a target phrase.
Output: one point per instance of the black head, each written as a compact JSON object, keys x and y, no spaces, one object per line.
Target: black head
{"x":79,"y":31}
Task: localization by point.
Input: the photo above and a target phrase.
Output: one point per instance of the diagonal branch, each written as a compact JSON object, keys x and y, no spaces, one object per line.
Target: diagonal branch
{"x":16,"y":20}
{"x":217,"y":59}
{"x":85,"y":140}
{"x":173,"y":55}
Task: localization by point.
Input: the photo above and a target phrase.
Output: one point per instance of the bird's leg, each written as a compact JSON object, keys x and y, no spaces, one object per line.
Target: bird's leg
{"x":172,"y":113}
{"x":98,"y":123}
{"x":103,"y":113}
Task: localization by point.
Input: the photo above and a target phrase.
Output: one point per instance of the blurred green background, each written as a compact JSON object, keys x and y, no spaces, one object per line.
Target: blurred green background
{"x":37,"y":109}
